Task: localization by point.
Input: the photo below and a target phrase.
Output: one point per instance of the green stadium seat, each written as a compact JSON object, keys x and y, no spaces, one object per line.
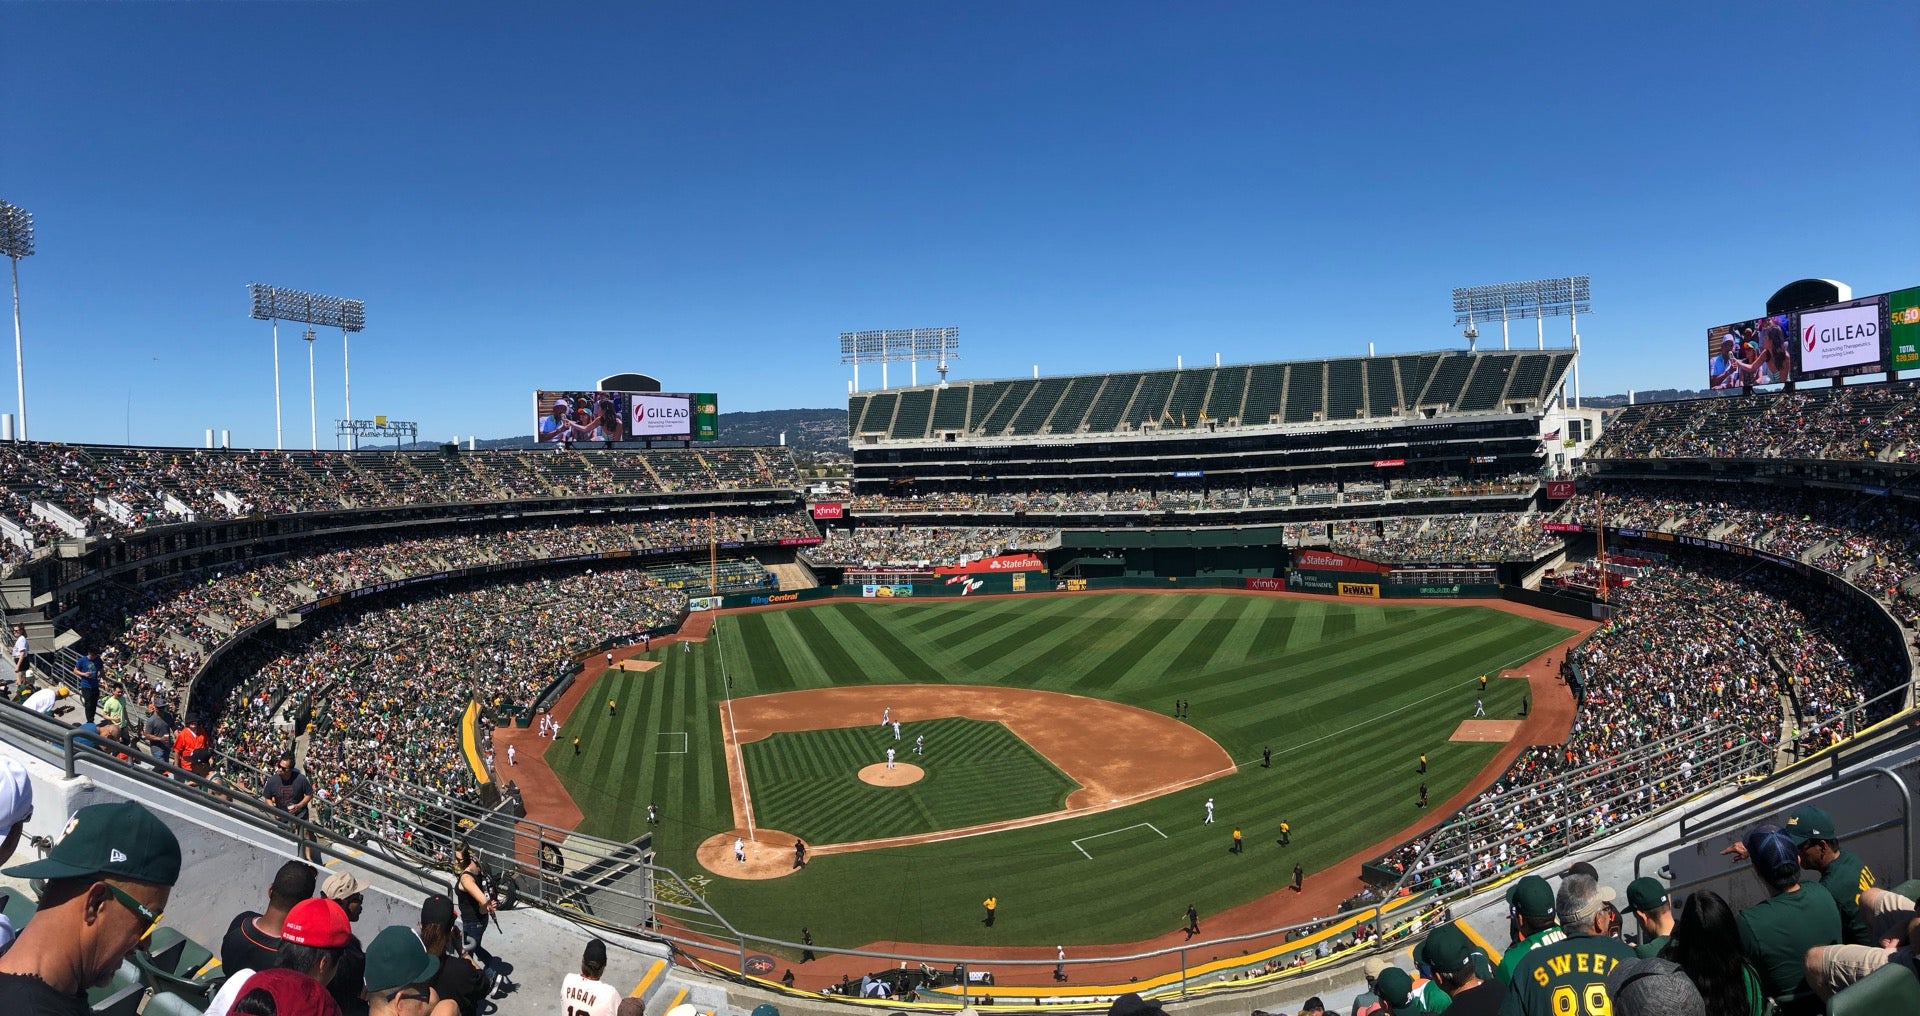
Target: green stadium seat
{"x":19,"y":908}
{"x":1910,"y":888}
{"x":1890,"y":989}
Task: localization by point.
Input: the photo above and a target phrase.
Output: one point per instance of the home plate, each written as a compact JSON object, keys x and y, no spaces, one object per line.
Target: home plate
{"x":1486,"y":730}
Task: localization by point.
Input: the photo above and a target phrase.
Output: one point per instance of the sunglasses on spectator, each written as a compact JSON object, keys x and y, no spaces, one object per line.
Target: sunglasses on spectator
{"x":145,"y":913}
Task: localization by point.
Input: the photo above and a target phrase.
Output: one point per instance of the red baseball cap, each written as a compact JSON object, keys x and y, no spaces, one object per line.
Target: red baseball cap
{"x":318,"y":923}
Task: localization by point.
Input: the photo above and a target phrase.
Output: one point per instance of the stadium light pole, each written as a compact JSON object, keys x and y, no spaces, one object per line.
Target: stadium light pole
{"x":271,"y":303}
{"x":16,"y":242}
{"x":313,"y":412}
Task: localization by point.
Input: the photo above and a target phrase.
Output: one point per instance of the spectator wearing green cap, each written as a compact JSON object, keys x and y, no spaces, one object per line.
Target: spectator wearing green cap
{"x":1570,"y":976}
{"x":400,"y":976}
{"x":1647,"y":898}
{"x":108,"y":881}
{"x":1777,"y":932}
{"x":1405,"y":994}
{"x":1842,"y":871}
{"x":1457,"y":965}
{"x":1531,"y":900}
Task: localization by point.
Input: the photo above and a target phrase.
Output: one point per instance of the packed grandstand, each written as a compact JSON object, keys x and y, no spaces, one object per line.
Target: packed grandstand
{"x":354,"y":600}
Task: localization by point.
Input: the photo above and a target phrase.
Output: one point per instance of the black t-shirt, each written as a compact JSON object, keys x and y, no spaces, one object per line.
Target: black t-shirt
{"x":286,"y":792}
{"x":459,"y":980}
{"x":25,"y":995}
{"x":246,"y":947}
{"x":350,"y":977}
{"x":1482,"y":999}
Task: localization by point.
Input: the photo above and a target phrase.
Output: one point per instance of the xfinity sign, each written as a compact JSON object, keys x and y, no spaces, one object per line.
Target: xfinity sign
{"x":1840,"y":340}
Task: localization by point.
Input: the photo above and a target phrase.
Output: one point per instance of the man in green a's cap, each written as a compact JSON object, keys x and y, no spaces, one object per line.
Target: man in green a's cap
{"x":1842,"y":871}
{"x":1531,"y":899}
{"x":1458,"y":967}
{"x":1647,"y":898}
{"x":1396,"y":987}
{"x":108,"y":880}
{"x":400,"y":976}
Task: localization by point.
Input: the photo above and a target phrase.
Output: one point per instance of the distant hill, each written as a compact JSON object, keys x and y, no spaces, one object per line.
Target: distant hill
{"x":808,"y":430}
{"x":1653,"y":395}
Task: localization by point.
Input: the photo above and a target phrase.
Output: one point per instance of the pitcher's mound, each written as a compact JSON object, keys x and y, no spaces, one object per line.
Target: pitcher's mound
{"x":900,"y":775}
{"x":1486,"y":730}
{"x":769,"y":854}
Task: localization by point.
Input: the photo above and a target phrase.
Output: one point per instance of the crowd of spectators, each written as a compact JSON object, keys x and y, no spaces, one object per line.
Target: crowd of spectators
{"x":108,"y":490}
{"x":159,"y":634}
{"x":1704,"y":669}
{"x":384,"y":687}
{"x":1180,"y":498}
{"x":1855,"y":422}
{"x":922,"y":546}
{"x":1482,"y":537}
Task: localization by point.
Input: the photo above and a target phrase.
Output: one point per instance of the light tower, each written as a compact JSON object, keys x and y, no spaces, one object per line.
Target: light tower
{"x":1539,"y":299}
{"x":271,"y":303}
{"x":16,"y":242}
{"x":899,"y":345}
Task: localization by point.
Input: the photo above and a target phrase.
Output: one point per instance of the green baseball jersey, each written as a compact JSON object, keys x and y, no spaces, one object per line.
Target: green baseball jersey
{"x":1848,"y":878}
{"x":1776,"y":933}
{"x":1567,"y":978}
{"x":1504,"y":972}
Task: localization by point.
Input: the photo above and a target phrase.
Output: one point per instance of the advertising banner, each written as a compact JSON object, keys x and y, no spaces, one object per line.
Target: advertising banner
{"x":885,"y":592}
{"x":1326,"y":560}
{"x":1003,"y":563}
{"x":579,"y":416}
{"x":799,"y":541}
{"x":1267,"y":585}
{"x":1903,"y":329}
{"x":1388,"y":463}
{"x":1565,"y":527}
{"x":703,"y":603}
{"x":828,"y":511}
{"x":1750,"y":352}
{"x":1841,"y":340}
{"x":1309,"y":582}
{"x":1559,"y":490}
{"x":1078,"y":585}
{"x":1360,"y":589}
{"x":668,"y":417}
{"x":706,"y":416}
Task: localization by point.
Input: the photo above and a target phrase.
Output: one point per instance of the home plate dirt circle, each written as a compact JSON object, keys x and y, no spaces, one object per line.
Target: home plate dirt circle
{"x":769,"y":854}
{"x":900,"y":775}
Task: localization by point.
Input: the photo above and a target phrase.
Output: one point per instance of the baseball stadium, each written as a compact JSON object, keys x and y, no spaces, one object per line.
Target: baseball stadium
{"x":1368,"y":667}
{"x":1208,"y":685}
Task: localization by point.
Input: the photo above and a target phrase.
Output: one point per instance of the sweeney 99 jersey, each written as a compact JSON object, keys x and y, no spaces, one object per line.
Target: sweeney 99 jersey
{"x":1567,"y":978}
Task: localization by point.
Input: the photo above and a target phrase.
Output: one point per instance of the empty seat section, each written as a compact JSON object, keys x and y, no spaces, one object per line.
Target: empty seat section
{"x":1306,"y":390}
{"x":1002,"y":413}
{"x":1266,"y":386}
{"x":986,"y":397}
{"x":1486,"y":383}
{"x":857,"y":413}
{"x":1415,"y":373}
{"x":910,"y":423}
{"x":1189,"y":397}
{"x":880,"y":413}
{"x":1073,"y":405}
{"x":950,"y":407}
{"x":1529,"y":373}
{"x":1448,"y":381}
{"x":1383,"y":398}
{"x":1229,"y":391}
{"x":1150,"y":402}
{"x":1345,"y":393}
{"x":1040,"y":405}
{"x":1112,"y":402}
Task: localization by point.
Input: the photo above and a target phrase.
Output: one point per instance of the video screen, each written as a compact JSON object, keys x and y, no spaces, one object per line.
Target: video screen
{"x":580,"y":416}
{"x":1842,"y":340}
{"x":1903,"y":329}
{"x":1749,"y":353}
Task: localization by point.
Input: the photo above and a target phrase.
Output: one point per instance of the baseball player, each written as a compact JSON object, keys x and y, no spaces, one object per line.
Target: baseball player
{"x":740,"y":850}
{"x":896,"y":730}
{"x":1209,"y":820}
{"x":886,"y":716}
{"x":889,"y":758}
{"x":920,"y":744}
{"x":510,"y":756}
{"x":1479,"y":707}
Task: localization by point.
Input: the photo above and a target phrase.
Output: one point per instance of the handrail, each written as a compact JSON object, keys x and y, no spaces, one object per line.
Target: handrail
{"x":1769,"y":805}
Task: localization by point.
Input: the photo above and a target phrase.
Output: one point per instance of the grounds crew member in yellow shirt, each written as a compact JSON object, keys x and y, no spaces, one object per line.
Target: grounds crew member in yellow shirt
{"x":1569,"y":977}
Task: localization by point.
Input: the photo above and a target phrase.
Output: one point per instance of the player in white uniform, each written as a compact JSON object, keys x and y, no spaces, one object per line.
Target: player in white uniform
{"x":584,"y":993}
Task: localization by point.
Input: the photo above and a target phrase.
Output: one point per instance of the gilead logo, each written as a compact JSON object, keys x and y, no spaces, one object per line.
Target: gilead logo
{"x":1841,"y":337}
{"x":1844,"y":333}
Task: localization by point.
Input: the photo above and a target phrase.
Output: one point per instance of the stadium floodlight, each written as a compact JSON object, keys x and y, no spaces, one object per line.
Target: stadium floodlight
{"x":16,"y":242}
{"x":1569,"y":295}
{"x":271,"y":303}
{"x":900,"y":345}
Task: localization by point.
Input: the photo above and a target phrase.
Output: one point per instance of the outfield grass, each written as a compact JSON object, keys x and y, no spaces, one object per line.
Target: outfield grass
{"x":1347,"y":695}
{"x":977,"y":771}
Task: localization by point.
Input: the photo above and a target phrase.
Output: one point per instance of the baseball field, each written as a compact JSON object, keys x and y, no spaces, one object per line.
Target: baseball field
{"x":1052,"y":771}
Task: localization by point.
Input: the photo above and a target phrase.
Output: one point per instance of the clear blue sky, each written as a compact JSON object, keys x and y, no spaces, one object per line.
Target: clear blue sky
{"x":538,"y":194}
